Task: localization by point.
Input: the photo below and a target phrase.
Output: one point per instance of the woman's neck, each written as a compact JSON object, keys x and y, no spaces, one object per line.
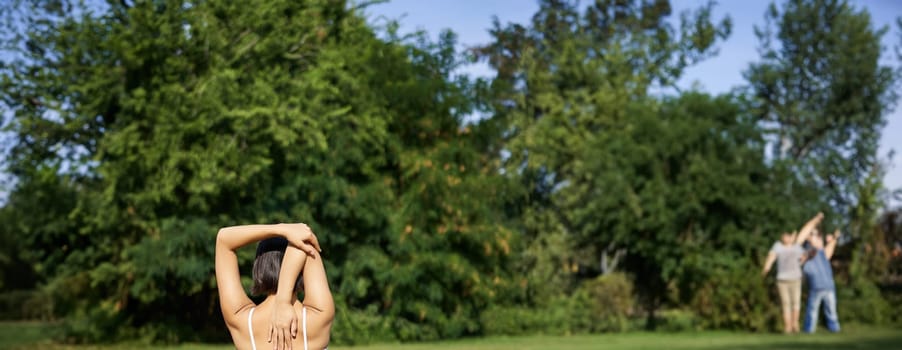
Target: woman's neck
{"x":271,"y":298}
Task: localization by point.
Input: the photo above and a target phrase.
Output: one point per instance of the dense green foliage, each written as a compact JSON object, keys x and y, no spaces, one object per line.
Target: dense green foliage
{"x":586,"y":200}
{"x":823,"y":94}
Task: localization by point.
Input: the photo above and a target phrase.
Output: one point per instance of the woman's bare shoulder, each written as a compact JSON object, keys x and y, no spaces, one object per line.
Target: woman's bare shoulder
{"x":319,"y":325}
{"x":238,"y":319}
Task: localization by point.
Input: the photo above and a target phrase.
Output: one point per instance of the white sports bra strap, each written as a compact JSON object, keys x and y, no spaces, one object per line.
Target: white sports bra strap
{"x":250,"y":328}
{"x":304,"y":322}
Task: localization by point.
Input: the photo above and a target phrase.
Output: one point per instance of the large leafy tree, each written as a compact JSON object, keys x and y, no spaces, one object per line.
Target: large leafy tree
{"x":141,"y":127}
{"x":823,"y":95}
{"x":578,"y":125}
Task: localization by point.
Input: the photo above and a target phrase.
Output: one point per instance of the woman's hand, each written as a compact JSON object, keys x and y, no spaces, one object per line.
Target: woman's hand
{"x":300,"y":236}
{"x":284,"y":327}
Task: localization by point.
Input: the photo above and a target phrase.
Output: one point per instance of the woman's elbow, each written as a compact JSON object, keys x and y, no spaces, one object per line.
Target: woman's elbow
{"x":221,"y":241}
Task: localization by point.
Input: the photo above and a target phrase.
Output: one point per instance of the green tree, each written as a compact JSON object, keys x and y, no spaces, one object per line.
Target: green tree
{"x":155,"y":122}
{"x":572,"y":97}
{"x":823,"y":95}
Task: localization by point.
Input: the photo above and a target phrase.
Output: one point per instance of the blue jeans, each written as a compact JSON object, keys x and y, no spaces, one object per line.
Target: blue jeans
{"x":815,"y":297}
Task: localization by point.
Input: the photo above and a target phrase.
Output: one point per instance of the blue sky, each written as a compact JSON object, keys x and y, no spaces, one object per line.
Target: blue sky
{"x":471,"y":19}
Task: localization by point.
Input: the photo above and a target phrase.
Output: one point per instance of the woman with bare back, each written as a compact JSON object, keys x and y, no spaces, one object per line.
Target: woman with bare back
{"x":288,"y":260}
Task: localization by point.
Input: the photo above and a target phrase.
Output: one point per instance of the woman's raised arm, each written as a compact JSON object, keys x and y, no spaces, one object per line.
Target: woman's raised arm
{"x":317,"y":295}
{"x":232,"y":298}
{"x":809,"y":227}
{"x":284,"y":325}
{"x":832,"y":240}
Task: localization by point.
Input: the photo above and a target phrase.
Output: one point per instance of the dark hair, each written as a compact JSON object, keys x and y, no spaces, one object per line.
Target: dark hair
{"x":267,"y":265}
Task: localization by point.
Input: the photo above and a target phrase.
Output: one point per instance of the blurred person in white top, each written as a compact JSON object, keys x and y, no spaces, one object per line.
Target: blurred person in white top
{"x":789,"y":254}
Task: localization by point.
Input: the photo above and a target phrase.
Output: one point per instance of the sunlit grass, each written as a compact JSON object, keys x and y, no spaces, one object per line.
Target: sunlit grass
{"x":32,"y":336}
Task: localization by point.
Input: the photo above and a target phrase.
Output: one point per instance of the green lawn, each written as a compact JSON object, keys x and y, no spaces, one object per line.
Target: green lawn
{"x":31,"y":335}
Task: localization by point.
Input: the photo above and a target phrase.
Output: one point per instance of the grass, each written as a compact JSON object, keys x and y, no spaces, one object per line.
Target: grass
{"x":24,"y":335}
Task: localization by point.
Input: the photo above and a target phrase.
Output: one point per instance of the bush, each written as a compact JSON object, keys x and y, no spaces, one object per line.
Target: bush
{"x":895,"y":300}
{"x":861,"y":302}
{"x":609,"y":301}
{"x":735,"y":297}
{"x":95,"y":325}
{"x":678,"y":321}
{"x":604,"y":304}
{"x":519,"y":320}
{"x":11,"y":304}
{"x":353,"y":326}
{"x":18,"y":305}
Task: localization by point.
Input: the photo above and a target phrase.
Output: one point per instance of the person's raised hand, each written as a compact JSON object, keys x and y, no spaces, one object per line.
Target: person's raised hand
{"x":832,"y":237}
{"x":301,"y":236}
{"x":816,"y":220}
